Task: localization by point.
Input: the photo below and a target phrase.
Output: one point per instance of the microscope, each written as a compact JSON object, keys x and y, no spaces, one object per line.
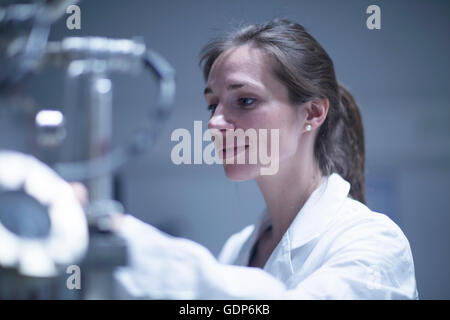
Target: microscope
{"x":47,"y":237}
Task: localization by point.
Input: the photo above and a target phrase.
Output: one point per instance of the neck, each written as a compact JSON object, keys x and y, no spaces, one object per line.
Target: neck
{"x":286,"y":192}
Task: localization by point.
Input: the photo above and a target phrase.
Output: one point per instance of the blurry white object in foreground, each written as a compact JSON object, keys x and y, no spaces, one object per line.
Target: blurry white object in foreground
{"x":66,"y":240}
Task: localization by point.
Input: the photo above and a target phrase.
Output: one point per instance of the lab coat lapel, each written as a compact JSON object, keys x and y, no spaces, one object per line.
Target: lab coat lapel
{"x":309,"y":223}
{"x":318,"y":211}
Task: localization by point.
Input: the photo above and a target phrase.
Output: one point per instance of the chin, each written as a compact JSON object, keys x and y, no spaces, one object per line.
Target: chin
{"x":241,"y":172}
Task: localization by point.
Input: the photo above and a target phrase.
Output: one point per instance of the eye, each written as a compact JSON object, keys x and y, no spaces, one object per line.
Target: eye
{"x":246,"y":102}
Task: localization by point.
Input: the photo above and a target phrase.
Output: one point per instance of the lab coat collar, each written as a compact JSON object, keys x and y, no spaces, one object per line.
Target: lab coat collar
{"x":318,"y":211}
{"x":309,"y":223}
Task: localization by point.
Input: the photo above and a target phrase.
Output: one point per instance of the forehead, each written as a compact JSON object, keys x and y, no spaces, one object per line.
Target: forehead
{"x":241,"y":64}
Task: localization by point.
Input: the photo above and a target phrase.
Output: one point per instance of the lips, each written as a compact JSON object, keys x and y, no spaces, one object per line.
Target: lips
{"x":236,"y":148}
{"x":234,"y":151}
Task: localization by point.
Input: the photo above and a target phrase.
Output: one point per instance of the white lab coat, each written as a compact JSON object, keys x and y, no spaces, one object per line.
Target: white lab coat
{"x":336,"y":248}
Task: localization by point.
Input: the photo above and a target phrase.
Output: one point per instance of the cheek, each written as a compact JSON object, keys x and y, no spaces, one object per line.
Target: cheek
{"x":288,"y":135}
{"x":288,"y":143}
{"x":281,"y":117}
{"x":254,"y":120}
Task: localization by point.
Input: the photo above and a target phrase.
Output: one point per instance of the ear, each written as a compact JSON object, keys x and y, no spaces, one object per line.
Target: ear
{"x":317,"y":111}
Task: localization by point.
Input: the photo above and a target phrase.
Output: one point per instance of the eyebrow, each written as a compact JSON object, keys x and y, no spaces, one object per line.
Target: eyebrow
{"x":233,"y":86}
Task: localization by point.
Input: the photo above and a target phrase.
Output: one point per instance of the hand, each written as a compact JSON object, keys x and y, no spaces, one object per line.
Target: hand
{"x":82,"y":194}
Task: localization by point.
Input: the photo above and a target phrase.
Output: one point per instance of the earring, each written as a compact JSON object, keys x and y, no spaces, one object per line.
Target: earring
{"x":308,"y":127}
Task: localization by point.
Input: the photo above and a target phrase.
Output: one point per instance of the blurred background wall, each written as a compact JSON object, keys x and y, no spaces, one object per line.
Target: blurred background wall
{"x":399,"y":76}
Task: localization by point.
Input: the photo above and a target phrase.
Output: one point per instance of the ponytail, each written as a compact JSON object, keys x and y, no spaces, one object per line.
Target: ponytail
{"x":354,"y":138}
{"x":339,"y":145}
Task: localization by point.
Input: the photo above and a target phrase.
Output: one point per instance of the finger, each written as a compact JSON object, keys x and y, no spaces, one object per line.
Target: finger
{"x":81,"y":192}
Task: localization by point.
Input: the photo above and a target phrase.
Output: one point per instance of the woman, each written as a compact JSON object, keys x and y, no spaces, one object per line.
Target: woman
{"x":316,"y":239}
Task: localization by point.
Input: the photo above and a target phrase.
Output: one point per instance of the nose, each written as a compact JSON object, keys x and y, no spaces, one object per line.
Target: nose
{"x":219,"y":120}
